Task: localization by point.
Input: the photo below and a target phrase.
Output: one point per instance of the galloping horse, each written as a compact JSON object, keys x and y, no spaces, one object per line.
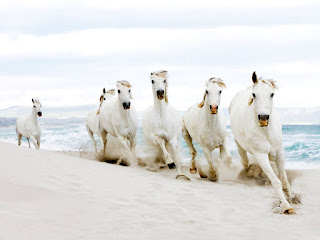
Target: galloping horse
{"x":258,"y":131}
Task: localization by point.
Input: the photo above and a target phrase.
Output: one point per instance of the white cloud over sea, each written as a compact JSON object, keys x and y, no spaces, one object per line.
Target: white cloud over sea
{"x":65,"y":52}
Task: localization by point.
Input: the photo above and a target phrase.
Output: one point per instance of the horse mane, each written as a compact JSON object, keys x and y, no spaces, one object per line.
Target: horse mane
{"x":125,"y":83}
{"x":270,"y":82}
{"x":218,"y":81}
{"x":161,"y":73}
{"x":200,"y":105}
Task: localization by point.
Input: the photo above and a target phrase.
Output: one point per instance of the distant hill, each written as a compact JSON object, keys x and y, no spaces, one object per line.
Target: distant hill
{"x":289,"y":116}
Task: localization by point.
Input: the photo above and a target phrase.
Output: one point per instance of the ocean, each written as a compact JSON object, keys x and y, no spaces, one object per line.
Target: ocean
{"x":301,"y":142}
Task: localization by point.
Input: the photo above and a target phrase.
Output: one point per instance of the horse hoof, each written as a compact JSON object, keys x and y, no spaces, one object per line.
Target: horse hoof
{"x":193,"y":170}
{"x":171,"y":165}
{"x":289,"y":211}
{"x":182,"y":176}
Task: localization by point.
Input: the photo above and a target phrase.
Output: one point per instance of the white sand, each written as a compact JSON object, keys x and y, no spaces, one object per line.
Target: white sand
{"x":47,"y":195}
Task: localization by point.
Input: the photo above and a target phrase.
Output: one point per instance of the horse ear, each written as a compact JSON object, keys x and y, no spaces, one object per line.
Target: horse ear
{"x":111,"y":91}
{"x":32,"y":100}
{"x":254,"y":77}
{"x":104,"y":90}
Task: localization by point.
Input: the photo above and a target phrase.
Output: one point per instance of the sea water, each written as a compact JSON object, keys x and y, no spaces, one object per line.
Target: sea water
{"x":300,"y":142}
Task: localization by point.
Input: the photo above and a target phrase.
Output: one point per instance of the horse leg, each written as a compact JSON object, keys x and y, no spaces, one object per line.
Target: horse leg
{"x":124,"y":143}
{"x":243,"y":155}
{"x":225,"y":155}
{"x":263,"y":160}
{"x":38,"y":142}
{"x":29,"y":142}
{"x":193,"y":152}
{"x":19,"y":139}
{"x":173,"y":144}
{"x":213,"y":173}
{"x":92,"y":138}
{"x":282,"y":173}
{"x":34,"y":142}
{"x":103,"y":135}
{"x":160,"y":141}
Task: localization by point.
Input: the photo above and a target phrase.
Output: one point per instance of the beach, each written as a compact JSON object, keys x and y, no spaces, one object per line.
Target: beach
{"x":50,"y":195}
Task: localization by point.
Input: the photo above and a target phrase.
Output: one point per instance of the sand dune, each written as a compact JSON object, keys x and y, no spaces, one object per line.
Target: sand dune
{"x":47,"y":195}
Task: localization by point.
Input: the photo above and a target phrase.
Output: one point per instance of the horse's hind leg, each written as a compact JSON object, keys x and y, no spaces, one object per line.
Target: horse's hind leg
{"x":38,"y":141}
{"x":19,"y":139}
{"x":92,"y":138}
{"x":29,"y":142}
{"x":193,"y":152}
{"x":243,"y":155}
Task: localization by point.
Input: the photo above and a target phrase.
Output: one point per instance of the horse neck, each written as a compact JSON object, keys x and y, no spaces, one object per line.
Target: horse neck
{"x":211,"y":120}
{"x":34,"y":116}
{"x":160,"y":106}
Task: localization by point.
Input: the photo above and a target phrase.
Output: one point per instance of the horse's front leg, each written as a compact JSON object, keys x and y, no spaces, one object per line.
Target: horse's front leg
{"x":263,"y":160}
{"x":213,"y":173}
{"x":176,"y":156}
{"x":34,"y":142}
{"x":160,"y":141}
{"x":225,"y":155}
{"x":282,"y":173}
{"x":103,"y":135}
{"x":128,"y":149}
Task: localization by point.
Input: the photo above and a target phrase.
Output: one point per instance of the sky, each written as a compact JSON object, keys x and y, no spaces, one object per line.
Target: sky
{"x":65,"y":52}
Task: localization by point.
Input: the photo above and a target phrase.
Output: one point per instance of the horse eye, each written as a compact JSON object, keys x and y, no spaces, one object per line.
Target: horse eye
{"x":207,"y":92}
{"x":220,"y":92}
{"x":152,"y":81}
{"x":34,"y":106}
{"x":253,"y":95}
{"x":165,"y":81}
{"x":118,"y":91}
{"x":104,"y":98}
{"x":129,"y":90}
{"x":272,"y":94}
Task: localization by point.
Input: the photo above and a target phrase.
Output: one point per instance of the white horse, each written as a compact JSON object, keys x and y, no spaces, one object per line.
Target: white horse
{"x":207,"y":126}
{"x":162,"y":124}
{"x":118,"y":118}
{"x":28,"y":126}
{"x":92,"y":119}
{"x":258,"y":131}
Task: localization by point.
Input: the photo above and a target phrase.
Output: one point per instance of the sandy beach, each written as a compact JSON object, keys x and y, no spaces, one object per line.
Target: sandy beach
{"x":49,"y":195}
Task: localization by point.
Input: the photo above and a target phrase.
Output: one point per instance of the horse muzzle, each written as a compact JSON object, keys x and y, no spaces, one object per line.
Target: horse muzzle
{"x":263,"y":120}
{"x":126,"y":105}
{"x":40,"y":114}
{"x":160,"y":94}
{"x":214,"y":109}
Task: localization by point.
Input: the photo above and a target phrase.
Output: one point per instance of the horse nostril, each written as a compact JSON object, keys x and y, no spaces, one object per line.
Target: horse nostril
{"x":263,"y":117}
{"x":217,"y":107}
{"x":210,"y":106}
{"x":160,"y":92}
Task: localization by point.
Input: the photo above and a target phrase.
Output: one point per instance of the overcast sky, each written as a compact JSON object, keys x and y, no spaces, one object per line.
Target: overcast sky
{"x":65,"y":52}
